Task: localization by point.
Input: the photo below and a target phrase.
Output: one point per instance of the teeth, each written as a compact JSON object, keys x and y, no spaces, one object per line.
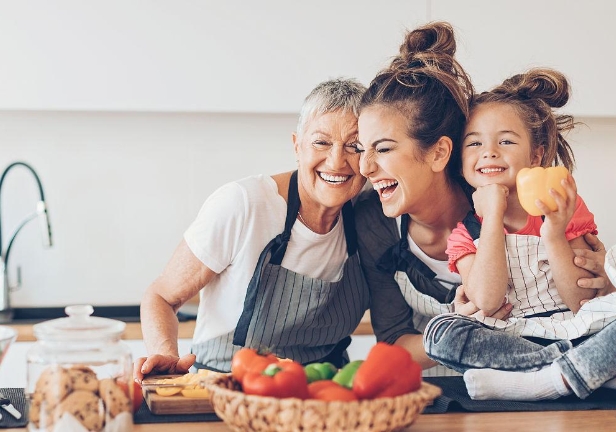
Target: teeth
{"x":491,"y":170}
{"x":383,"y":184}
{"x":333,"y":179}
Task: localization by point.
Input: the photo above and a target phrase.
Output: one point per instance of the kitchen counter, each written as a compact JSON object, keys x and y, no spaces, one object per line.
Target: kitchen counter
{"x":185,"y":330}
{"x":132,"y":331}
{"x":570,"y":421}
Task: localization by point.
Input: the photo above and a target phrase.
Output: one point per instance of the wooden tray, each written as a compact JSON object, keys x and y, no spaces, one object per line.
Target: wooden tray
{"x":176,"y":404}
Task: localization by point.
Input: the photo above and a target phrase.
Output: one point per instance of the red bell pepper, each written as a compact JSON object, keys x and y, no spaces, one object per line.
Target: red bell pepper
{"x":282,"y":380}
{"x":388,"y":371}
{"x":250,"y":360}
{"x":327,"y":390}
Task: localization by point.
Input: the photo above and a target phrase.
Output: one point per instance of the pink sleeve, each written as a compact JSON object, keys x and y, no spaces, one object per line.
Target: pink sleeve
{"x":582,"y":222}
{"x":459,"y":244}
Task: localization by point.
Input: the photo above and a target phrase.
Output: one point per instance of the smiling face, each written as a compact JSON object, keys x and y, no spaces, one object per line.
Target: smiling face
{"x":496,"y":146}
{"x":326,"y":150}
{"x":394,"y":163}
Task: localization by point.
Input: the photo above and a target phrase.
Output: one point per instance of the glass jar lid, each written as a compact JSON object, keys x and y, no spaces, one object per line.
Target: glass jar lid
{"x":79,"y":326}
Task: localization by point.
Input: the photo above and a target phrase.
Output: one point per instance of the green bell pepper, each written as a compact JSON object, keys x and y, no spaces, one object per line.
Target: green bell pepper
{"x":320,"y":371}
{"x":346,"y":375}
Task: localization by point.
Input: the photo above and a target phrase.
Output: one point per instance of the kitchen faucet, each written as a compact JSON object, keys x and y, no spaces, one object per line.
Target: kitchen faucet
{"x":6,"y":312}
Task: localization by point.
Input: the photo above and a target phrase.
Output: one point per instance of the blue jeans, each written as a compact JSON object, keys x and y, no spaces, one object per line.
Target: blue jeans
{"x":461,"y":343}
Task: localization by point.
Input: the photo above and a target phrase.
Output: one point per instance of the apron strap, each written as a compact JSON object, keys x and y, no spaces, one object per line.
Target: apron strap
{"x":399,"y":258}
{"x":350,"y":233}
{"x":472,"y":225}
{"x":292,"y":210}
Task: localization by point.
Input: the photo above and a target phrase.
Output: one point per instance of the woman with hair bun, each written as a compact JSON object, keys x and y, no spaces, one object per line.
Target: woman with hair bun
{"x":411,"y":124}
{"x":502,"y":251}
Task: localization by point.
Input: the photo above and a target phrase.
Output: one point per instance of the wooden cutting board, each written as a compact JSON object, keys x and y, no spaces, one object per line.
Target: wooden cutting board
{"x":176,"y":404}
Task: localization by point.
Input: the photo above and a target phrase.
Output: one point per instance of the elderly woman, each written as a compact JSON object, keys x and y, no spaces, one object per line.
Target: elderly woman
{"x":274,"y":258}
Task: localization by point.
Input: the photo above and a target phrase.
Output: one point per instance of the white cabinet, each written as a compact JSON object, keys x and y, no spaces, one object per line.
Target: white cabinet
{"x":265,"y":56}
{"x":498,"y":39}
{"x":185,"y":55}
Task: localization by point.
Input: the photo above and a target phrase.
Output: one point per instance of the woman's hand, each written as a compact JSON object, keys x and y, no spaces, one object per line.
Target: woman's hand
{"x":464,"y":306}
{"x":593,"y":261}
{"x":162,"y":364}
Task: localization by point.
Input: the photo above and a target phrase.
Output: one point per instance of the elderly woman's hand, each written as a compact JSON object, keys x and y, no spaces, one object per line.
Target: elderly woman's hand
{"x":593,"y":261}
{"x":162,"y":364}
{"x":464,"y":306}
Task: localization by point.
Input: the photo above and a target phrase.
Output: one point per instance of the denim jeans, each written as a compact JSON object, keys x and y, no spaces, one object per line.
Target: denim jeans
{"x":462,"y":343}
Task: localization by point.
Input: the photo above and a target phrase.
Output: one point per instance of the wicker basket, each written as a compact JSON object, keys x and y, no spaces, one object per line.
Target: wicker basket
{"x":242,"y":412}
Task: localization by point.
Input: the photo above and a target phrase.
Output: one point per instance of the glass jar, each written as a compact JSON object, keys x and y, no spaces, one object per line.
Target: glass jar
{"x":80,"y":374}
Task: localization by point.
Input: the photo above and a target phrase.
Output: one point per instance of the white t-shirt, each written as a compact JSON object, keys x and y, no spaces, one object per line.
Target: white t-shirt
{"x":231,"y":230}
{"x":439,"y":267}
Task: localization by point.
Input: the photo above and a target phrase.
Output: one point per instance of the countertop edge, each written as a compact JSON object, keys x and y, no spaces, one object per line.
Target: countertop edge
{"x":185,"y":330}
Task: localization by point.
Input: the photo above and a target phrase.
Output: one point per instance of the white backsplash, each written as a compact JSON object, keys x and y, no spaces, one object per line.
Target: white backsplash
{"x":122,"y":187}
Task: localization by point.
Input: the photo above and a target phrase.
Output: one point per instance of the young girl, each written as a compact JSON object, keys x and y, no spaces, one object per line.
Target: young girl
{"x":503,"y":252}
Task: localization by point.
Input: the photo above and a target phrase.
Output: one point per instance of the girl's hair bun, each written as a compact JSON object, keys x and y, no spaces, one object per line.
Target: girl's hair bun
{"x":545,"y":84}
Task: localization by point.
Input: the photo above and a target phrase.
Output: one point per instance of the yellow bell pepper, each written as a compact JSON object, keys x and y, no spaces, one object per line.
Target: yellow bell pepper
{"x":535,"y":183}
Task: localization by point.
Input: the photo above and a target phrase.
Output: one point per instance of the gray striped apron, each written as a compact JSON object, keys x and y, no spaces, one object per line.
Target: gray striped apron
{"x":292,"y":315}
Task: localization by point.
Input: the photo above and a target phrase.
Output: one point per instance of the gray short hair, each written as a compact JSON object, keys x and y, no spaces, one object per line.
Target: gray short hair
{"x":331,"y":95}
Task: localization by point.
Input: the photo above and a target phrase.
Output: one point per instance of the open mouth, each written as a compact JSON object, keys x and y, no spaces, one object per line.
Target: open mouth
{"x":334,"y":179}
{"x":385,"y":188}
{"x":490,"y":170}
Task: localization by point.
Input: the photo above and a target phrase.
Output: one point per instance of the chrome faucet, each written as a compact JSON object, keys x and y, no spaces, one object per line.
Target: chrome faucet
{"x":6,"y":312}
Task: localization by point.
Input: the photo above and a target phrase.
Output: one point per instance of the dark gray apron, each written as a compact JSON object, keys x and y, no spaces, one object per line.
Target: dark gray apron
{"x":293,"y":315}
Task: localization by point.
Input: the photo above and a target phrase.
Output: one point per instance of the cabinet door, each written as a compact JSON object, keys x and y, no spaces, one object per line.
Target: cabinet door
{"x":498,"y":39}
{"x":186,"y":55}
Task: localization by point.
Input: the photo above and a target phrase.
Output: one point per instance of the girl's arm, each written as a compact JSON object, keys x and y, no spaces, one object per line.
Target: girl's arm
{"x":484,"y":275}
{"x":566,"y":273}
{"x":560,"y":250}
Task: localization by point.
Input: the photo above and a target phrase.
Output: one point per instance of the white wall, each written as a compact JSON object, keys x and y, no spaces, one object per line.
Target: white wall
{"x":122,"y":188}
{"x":501,"y":38}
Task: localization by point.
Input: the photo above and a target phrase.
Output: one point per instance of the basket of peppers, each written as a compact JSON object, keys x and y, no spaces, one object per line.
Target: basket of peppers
{"x":384,"y":392}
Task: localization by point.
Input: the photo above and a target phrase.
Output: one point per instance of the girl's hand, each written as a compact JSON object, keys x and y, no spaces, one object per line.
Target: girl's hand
{"x":490,"y":200}
{"x":555,"y":222}
{"x":464,"y":306}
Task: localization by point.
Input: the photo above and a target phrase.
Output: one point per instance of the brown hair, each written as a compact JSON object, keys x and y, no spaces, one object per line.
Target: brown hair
{"x":534,"y":94}
{"x":426,"y":84}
